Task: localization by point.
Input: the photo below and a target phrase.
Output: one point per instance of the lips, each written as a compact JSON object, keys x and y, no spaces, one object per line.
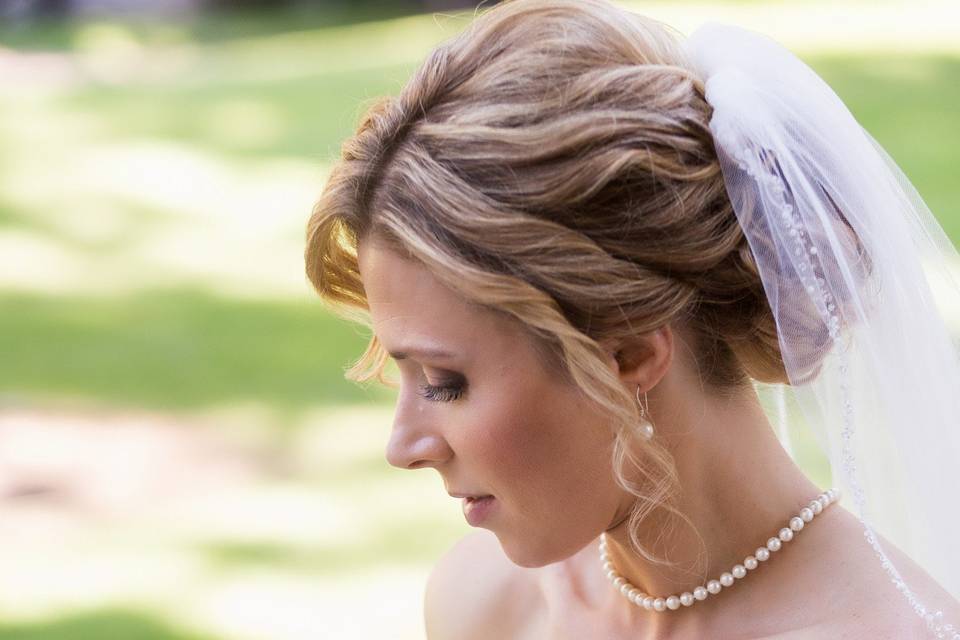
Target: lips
{"x":464,"y":494}
{"x":478,"y":509}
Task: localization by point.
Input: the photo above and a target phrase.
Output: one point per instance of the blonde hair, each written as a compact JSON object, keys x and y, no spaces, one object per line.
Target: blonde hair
{"x":553,"y":163}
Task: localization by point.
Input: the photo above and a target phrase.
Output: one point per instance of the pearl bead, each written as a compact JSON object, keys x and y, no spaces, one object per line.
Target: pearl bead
{"x":727,"y":579}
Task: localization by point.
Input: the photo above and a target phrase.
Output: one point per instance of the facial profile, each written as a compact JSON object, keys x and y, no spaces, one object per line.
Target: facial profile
{"x":488,"y":415}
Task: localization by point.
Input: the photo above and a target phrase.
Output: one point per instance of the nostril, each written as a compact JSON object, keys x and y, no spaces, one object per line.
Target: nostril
{"x":417,"y":450}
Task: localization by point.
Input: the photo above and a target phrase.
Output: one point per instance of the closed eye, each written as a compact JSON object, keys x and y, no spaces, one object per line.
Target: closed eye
{"x":442,"y":393}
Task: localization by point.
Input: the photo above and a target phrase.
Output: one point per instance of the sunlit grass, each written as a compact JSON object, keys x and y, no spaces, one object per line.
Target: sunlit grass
{"x":305,"y":533}
{"x":284,"y":530}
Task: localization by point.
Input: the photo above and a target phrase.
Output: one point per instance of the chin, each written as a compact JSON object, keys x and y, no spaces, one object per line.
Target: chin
{"x":529,"y":557}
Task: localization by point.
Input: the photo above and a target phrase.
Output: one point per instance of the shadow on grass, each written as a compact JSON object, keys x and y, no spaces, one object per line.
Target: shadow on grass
{"x":101,"y":624}
{"x":178,"y":349}
{"x":205,"y":27}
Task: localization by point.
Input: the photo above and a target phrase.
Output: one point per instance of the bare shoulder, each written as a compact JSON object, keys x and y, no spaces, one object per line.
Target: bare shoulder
{"x":882,"y":619}
{"x":886,"y":612}
{"x":861,"y":626}
{"x":855,"y":597}
{"x":475,"y":591}
{"x":873,"y":608}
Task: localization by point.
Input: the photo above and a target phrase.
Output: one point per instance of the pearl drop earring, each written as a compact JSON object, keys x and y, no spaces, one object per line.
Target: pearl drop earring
{"x":645,"y":427}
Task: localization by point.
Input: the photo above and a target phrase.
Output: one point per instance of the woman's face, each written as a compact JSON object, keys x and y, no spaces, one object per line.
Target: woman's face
{"x":489,"y":417}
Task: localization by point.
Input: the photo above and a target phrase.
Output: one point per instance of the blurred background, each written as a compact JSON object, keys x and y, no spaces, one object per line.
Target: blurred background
{"x":180,"y":456}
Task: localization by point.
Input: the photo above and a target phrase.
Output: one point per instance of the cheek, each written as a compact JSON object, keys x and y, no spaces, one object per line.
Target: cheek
{"x":546,"y":454}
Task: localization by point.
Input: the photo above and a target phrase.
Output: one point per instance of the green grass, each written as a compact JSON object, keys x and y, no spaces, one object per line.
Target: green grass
{"x":100,"y":624}
{"x":313,"y":113}
{"x":176,"y":349}
{"x":908,"y":104}
{"x":190,"y":348}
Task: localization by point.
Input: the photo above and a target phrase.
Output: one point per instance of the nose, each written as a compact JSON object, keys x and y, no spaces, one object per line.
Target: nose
{"x":412,"y":447}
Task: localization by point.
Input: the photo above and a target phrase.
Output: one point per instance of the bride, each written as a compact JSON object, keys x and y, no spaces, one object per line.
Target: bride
{"x":582,"y":239}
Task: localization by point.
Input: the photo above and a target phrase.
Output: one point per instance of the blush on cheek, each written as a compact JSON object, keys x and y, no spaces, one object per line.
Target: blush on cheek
{"x":503,"y":453}
{"x":527,"y":437}
{"x":529,"y":463}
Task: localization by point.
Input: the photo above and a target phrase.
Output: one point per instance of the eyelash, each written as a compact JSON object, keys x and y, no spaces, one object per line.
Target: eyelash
{"x":445,"y":393}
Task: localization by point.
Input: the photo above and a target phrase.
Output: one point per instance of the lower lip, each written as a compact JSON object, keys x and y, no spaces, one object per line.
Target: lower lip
{"x":476,"y":510}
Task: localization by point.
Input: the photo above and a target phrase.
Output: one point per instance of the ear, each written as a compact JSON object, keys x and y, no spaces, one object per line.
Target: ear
{"x":645,"y":359}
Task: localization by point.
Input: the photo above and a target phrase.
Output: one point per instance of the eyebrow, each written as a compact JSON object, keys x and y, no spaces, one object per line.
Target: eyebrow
{"x":423,"y":351}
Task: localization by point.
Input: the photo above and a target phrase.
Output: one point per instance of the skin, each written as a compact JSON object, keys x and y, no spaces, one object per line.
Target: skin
{"x":539,"y":447}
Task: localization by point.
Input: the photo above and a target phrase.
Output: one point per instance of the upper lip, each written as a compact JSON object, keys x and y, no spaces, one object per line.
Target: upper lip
{"x":457,"y":494}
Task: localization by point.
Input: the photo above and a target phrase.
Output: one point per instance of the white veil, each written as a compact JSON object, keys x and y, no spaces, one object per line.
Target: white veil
{"x":870,"y":359}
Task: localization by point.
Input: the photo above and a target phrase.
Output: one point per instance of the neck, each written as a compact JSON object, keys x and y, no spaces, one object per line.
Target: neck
{"x":739,"y":487}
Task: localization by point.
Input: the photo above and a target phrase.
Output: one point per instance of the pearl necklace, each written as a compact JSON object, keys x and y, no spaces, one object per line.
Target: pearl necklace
{"x":687,"y":598}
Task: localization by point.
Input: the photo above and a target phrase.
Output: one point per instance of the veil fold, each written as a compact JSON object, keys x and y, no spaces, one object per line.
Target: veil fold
{"x":858,"y":274}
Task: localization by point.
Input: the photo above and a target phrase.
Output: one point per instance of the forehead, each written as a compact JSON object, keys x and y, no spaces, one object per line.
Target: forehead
{"x":408,"y":304}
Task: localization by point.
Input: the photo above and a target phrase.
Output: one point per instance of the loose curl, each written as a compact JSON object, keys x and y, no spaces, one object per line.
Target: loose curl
{"x":553,"y":163}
